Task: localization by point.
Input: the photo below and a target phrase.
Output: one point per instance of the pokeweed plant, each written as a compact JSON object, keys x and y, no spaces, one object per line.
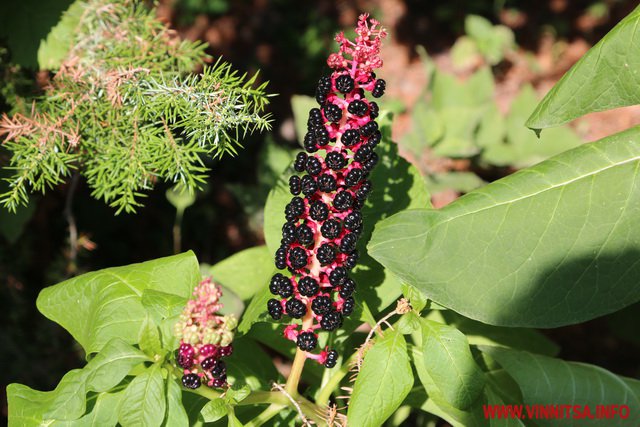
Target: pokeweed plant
{"x":124,"y":109}
{"x":459,"y":289}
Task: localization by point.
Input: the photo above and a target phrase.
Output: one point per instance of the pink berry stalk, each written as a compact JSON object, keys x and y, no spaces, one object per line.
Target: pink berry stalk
{"x":323,"y":220}
{"x":205,"y":338}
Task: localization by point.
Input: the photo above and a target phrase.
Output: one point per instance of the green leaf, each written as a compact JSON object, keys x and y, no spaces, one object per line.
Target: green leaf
{"x":256,"y":311}
{"x":145,"y":400}
{"x":482,"y":334}
{"x":104,"y":412}
{"x":101,"y":305}
{"x":450,"y":364}
{"x":606,"y":77}
{"x":383,"y":382}
{"x":464,"y":53}
{"x":449,"y":92}
{"x":214,"y":410}
{"x":550,"y":245}
{"x":162,"y":305}
{"x":176,"y":414}
{"x":458,"y":181}
{"x":59,"y":41}
{"x":68,"y":401}
{"x":436,"y":403}
{"x":300,"y":105}
{"x":245,"y":272}
{"x":25,"y":23}
{"x":548,"y":381}
{"x":250,"y":365}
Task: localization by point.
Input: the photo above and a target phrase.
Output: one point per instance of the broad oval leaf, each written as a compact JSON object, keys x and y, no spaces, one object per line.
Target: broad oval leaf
{"x":554,"y":244}
{"x":548,"y":381}
{"x":606,"y":77}
{"x":176,"y":414}
{"x":383,"y":382}
{"x":104,"y":304}
{"x":245,"y":272}
{"x":144,"y":400}
{"x":450,"y":364}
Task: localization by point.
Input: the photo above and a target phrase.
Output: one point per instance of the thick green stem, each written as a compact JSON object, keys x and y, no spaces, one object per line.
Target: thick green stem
{"x":271,"y":411}
{"x":334,"y":381}
{"x":296,"y":372}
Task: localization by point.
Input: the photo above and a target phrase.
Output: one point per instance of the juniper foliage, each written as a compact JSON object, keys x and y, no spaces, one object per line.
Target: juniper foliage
{"x":124,"y":110}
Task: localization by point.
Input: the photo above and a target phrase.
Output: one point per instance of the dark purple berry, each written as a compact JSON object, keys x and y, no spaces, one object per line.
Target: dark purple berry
{"x":358,"y":108}
{"x":378,"y":89}
{"x":308,"y":185}
{"x":307,"y":341}
{"x":191,"y":381}
{"x":208,"y":363}
{"x":225,"y":351}
{"x":353,"y":221}
{"x":315,"y":118}
{"x":350,"y":137}
{"x":219,"y":382}
{"x":348,"y":243}
{"x":337,"y":276}
{"x":305,"y":235}
{"x":184,"y":360}
{"x":274,"y":308}
{"x":348,"y":306}
{"x":332,"y":359}
{"x":321,"y":304}
{"x":286,"y":289}
{"x":332,"y":112}
{"x":296,"y":308}
{"x":289,"y":235}
{"x":331,"y":321}
{"x":277,"y":282}
{"x":295,"y":208}
{"x":347,"y":288}
{"x":375,"y":138}
{"x":363,"y":192}
{"x":318,"y":211}
{"x":300,"y":162}
{"x":370,"y":163}
{"x":335,"y":161}
{"x":281,"y":258}
{"x":308,"y":286}
{"x":374,"y":110}
{"x":327,"y":183}
{"x":351,"y":260}
{"x":342,"y":201}
{"x":218,"y":369}
{"x":364,"y":152}
{"x":344,"y":83}
{"x":369,"y":128}
{"x":330,"y":229}
{"x":326,"y":253}
{"x":353,"y":177}
{"x":314,"y":167}
{"x":294,"y":185}
{"x":298,"y":258}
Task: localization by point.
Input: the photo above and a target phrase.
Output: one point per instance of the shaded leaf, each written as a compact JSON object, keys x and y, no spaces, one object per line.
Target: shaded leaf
{"x":550,"y":245}
{"x":383,"y":382}
{"x":450,"y":364}
{"x":548,"y":381}
{"x":176,"y":414}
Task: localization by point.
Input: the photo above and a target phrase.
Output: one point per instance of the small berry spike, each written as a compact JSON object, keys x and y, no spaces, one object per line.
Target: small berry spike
{"x":323,"y":219}
{"x":205,"y":337}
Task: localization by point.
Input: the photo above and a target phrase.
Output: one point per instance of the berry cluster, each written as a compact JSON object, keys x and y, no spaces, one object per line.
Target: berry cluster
{"x":323,"y":219}
{"x":205,"y":338}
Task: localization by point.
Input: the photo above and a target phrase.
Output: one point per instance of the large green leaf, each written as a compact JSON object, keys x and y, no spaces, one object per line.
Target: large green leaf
{"x":449,"y":362}
{"x":101,"y":305}
{"x":383,"y":382}
{"x":548,"y":381}
{"x":68,"y":400}
{"x":553,"y":244}
{"x":246,"y":272}
{"x":606,"y":77}
{"x":144,"y":399}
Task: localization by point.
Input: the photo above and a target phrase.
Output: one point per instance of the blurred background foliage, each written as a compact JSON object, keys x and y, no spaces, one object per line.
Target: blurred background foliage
{"x":462,"y":76}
